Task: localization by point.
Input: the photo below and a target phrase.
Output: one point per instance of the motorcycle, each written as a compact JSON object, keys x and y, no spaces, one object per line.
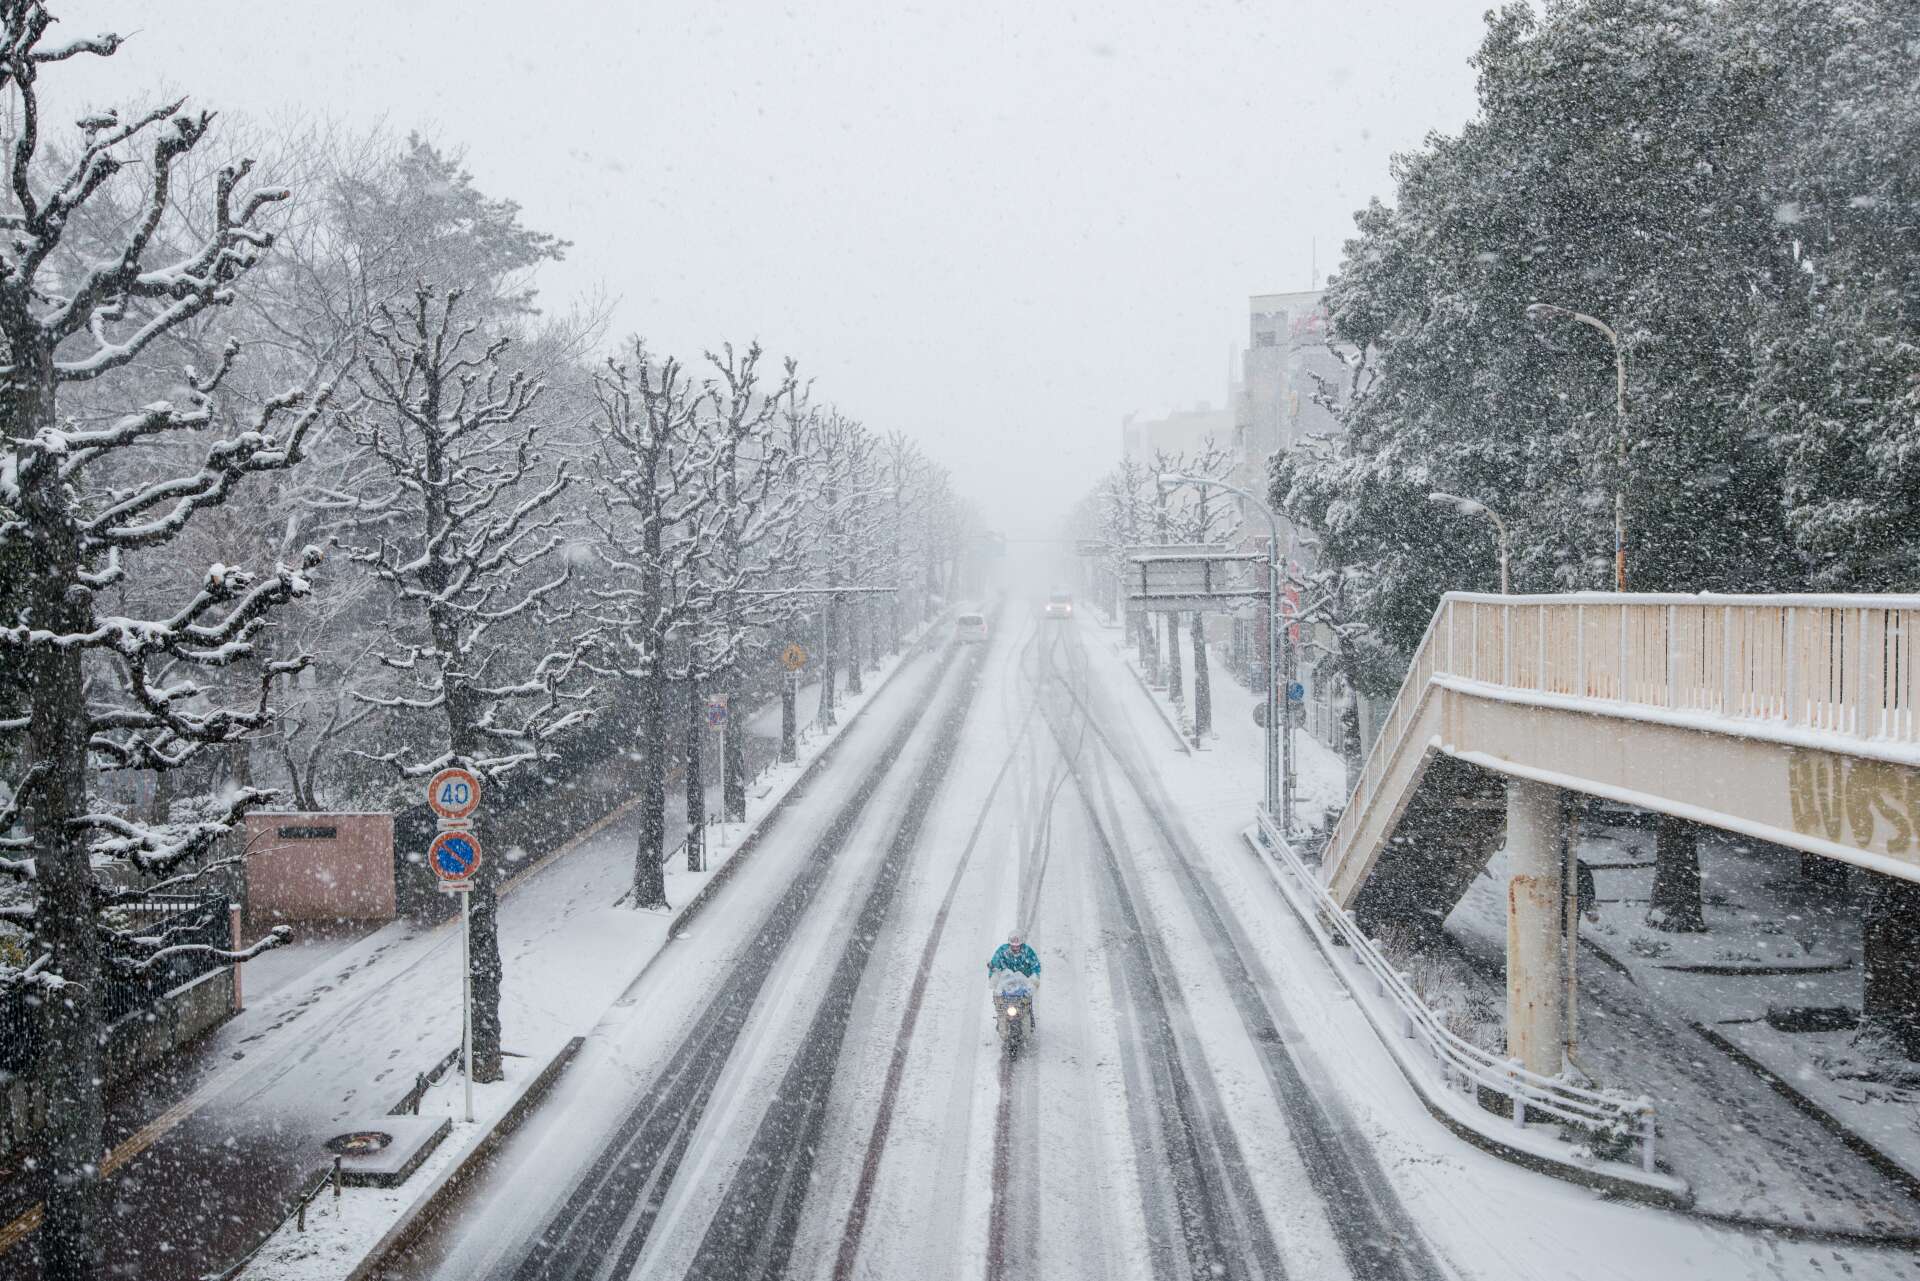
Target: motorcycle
{"x":1013,"y":1012}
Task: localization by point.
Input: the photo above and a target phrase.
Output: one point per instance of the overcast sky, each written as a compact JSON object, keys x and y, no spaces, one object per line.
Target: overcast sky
{"x":1001,"y":227}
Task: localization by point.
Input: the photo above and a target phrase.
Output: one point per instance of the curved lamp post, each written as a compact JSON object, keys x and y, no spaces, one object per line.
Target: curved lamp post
{"x":1543,"y":310}
{"x":1474,"y":507}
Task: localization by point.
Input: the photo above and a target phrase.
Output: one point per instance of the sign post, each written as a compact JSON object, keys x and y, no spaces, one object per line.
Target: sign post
{"x":454,"y":796}
{"x":794,"y":657}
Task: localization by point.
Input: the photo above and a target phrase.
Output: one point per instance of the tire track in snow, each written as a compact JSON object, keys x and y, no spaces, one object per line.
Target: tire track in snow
{"x":1039,"y":851}
{"x":613,"y":1207}
{"x":851,"y":1234}
{"x":752,"y":1232}
{"x":1376,"y":1235}
{"x":1221,"y":1221}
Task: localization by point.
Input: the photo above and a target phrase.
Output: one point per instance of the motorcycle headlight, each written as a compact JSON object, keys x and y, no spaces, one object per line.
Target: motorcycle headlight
{"x":1013,"y":1011}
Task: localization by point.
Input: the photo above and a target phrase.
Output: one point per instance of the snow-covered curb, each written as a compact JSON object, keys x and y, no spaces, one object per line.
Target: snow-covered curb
{"x":1160,"y":705}
{"x":349,"y":1234}
{"x":1526,"y":1146}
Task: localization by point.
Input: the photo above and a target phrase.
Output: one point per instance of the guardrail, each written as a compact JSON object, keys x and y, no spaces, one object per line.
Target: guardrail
{"x":1460,"y":1064}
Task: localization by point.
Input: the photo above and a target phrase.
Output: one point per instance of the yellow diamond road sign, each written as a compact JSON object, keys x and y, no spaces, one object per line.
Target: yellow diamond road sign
{"x":794,"y":657}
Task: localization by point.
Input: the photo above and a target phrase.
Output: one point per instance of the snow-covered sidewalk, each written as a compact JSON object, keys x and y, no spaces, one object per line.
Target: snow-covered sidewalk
{"x":341,"y":1043}
{"x":1489,"y":1218}
{"x":1320,"y":777}
{"x":1747,"y":1151}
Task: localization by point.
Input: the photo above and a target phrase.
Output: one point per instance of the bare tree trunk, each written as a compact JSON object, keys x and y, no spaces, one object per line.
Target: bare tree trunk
{"x":733,"y":800}
{"x":829,"y":625}
{"x":1352,"y":750}
{"x":1890,"y":988}
{"x":789,"y":730}
{"x":162,"y":802}
{"x":696,"y":783}
{"x":240,"y":763}
{"x":1202,"y":680}
{"x":649,"y":876}
{"x":68,"y":1066}
{"x":851,"y":611}
{"x":1176,"y":682}
{"x":1676,"y":907}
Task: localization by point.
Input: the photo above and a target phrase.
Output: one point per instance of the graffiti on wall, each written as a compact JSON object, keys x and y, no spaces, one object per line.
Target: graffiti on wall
{"x":1869,"y":805}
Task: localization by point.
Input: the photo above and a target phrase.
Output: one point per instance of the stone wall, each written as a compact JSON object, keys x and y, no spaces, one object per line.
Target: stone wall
{"x":181,"y":1016}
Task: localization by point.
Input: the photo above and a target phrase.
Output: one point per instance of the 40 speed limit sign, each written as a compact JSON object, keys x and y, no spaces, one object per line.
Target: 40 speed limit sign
{"x":454,"y":794}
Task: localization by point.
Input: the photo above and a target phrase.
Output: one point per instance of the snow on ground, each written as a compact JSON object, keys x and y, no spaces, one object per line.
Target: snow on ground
{"x":1320,"y":776}
{"x":488,"y":1228}
{"x":321,"y":1050}
{"x":1064,"y":1147}
{"x":1489,"y":1219}
{"x":1777,"y":943}
{"x":340,"y":1230}
{"x":1747,"y":1151}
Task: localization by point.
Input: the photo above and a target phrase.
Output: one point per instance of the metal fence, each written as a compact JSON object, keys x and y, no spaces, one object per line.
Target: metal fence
{"x":1460,"y":1064}
{"x":169,"y":920}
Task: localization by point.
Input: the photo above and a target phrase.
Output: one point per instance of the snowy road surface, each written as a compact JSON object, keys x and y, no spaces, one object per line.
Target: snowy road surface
{"x":808,"y":1084}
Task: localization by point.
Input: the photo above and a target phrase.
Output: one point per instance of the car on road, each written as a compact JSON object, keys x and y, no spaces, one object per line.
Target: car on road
{"x":971,"y":628}
{"x":1059,"y":605}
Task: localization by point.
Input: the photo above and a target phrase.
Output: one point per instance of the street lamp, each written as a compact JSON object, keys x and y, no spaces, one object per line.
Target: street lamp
{"x":1541,"y":310}
{"x":1279,"y":744}
{"x":1474,"y":507}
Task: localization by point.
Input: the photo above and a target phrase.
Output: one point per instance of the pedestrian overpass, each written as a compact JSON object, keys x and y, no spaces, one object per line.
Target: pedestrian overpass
{"x":1790,"y":719}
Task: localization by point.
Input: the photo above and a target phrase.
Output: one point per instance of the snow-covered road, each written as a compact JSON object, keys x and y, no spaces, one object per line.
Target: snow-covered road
{"x":809,"y":1085}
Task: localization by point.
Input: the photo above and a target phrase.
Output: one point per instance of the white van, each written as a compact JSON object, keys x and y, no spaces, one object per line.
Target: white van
{"x":971,"y":628}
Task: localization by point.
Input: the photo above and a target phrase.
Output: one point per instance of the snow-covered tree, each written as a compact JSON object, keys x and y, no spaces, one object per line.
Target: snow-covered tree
{"x":650,"y":502}
{"x":456,"y":515}
{"x":93,"y":688}
{"x":1200,"y":515}
{"x":754,"y":478}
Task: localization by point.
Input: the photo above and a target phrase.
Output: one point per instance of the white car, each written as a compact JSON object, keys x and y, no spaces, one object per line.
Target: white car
{"x":1059,"y":605}
{"x":971,"y":628}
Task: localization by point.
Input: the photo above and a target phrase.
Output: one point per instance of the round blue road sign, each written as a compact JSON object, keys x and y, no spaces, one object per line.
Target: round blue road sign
{"x":1296,"y":692}
{"x":455,"y":856}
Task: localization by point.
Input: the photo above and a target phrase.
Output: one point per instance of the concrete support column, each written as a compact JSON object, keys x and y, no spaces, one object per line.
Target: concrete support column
{"x":1536,"y":989}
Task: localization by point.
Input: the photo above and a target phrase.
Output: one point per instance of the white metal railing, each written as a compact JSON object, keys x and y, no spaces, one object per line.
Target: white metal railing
{"x":1835,"y":664}
{"x":1845,"y":666}
{"x":1406,"y":706}
{"x":1460,"y":1063}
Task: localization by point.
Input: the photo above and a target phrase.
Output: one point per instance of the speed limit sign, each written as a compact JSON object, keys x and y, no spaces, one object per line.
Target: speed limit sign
{"x":454,"y":794}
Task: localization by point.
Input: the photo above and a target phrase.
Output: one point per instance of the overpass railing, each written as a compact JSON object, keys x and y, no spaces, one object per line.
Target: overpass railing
{"x":1783,"y":666}
{"x":1833,"y":664}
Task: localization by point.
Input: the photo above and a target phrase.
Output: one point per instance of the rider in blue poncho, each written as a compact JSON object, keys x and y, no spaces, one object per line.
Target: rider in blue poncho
{"x":1013,"y":957}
